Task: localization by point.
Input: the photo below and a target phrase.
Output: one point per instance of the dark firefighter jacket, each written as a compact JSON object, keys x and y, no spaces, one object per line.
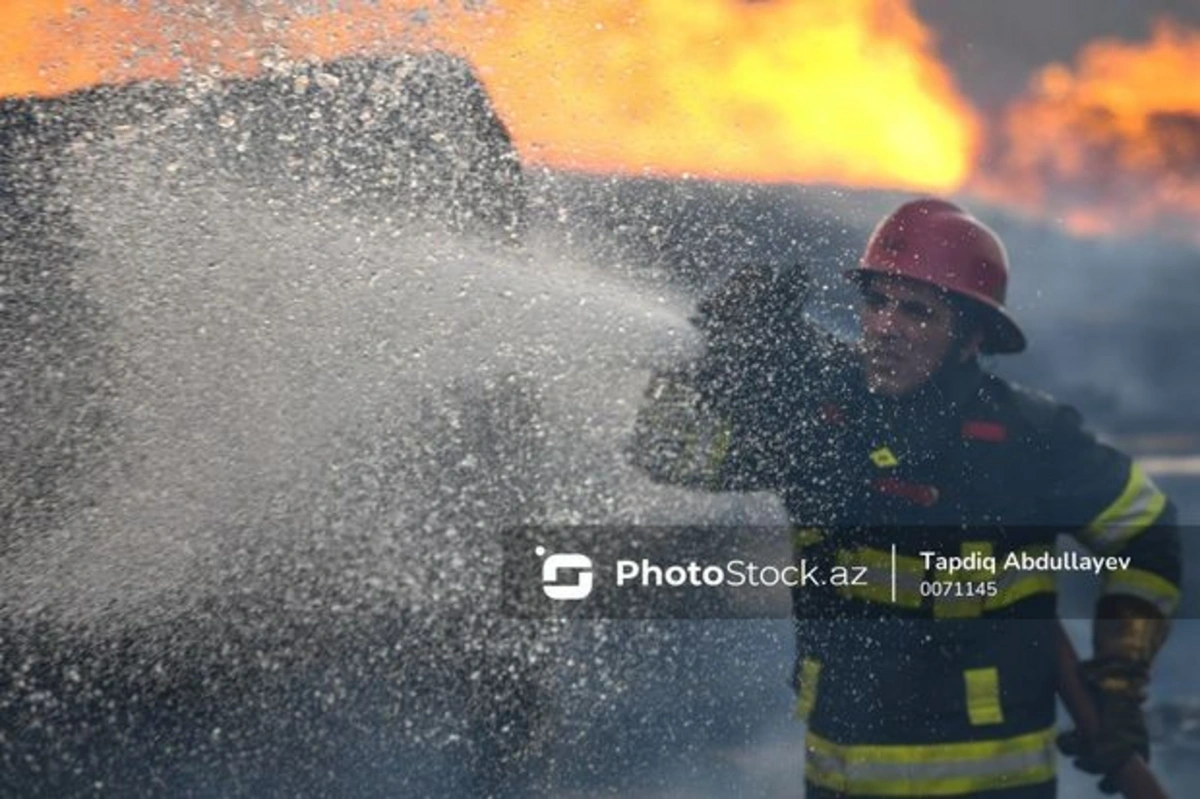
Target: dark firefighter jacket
{"x":915,"y":682}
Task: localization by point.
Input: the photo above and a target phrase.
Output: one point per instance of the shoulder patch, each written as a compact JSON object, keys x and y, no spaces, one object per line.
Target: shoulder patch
{"x":984,"y":430}
{"x":926,"y":496}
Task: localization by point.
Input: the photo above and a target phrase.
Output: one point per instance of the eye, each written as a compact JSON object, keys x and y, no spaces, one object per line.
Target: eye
{"x":874,"y":300}
{"x":917,"y":310}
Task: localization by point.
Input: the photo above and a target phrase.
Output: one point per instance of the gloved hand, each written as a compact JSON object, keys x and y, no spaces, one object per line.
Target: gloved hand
{"x":749,"y":322}
{"x":676,"y":438}
{"x":1118,"y":688}
{"x":755,"y":306}
{"x":1128,"y":633}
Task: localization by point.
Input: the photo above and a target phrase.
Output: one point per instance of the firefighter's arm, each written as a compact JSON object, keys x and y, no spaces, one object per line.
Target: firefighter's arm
{"x":699,"y":426}
{"x":678,"y":438}
{"x":710,"y":424}
{"x":1131,"y":625}
{"x":1118,"y":510}
{"x":1114,"y":508}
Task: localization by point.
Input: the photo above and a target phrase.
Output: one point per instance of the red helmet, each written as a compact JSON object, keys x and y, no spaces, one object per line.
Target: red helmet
{"x":937,"y":242}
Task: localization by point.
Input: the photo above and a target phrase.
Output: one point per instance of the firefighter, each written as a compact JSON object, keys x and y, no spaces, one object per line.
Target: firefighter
{"x":922,"y":680}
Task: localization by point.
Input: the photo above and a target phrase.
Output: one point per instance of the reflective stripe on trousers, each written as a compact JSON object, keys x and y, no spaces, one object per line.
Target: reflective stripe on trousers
{"x":950,"y":769}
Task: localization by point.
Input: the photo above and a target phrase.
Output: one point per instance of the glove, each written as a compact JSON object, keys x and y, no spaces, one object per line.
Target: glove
{"x":1128,"y":633}
{"x":752,"y":324}
{"x":753,"y":307}
{"x":1122,"y":732}
{"x":676,"y":437}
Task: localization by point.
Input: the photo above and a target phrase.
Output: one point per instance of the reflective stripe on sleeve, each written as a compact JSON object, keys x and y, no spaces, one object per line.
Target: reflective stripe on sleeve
{"x":1013,"y":585}
{"x":877,"y":579}
{"x":931,"y":770}
{"x":1144,"y":585}
{"x":678,"y":439}
{"x":718,"y":450}
{"x":1139,"y":504}
{"x":704,"y":449}
{"x":803,"y":537}
{"x":810,"y":673}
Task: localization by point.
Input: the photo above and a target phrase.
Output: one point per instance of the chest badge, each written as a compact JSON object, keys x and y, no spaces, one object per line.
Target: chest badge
{"x":884,"y":458}
{"x":925,"y":496}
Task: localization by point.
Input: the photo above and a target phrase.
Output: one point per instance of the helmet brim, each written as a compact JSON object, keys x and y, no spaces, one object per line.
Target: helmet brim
{"x":1001,"y":334}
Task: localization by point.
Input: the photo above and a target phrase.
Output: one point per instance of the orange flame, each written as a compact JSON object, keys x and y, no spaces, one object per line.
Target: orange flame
{"x":1113,"y":145}
{"x":844,"y":92}
{"x":54,"y":46}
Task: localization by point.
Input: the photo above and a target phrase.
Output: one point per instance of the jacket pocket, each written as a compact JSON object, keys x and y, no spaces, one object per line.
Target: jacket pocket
{"x":982,"y":688}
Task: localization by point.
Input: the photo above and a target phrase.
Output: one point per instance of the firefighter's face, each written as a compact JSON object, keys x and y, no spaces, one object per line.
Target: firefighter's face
{"x":909,"y":333}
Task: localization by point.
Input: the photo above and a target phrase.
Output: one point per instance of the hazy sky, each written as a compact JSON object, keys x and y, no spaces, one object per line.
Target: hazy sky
{"x":994,"y":46}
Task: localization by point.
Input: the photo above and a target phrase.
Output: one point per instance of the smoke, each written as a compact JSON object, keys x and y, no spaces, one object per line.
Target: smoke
{"x":1105,"y":318}
{"x":1105,"y":315}
{"x":302,"y":418}
{"x":994,"y":50}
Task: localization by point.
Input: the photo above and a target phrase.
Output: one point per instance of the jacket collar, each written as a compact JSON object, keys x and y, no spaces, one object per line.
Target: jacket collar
{"x":942,"y":399}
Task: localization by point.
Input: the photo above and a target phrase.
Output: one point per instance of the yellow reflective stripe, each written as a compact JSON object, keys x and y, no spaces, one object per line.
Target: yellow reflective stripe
{"x":957,"y":607}
{"x":983,"y":549}
{"x":1013,"y":585}
{"x":806,"y":536}
{"x":720,"y":449}
{"x":878,"y":576}
{"x":1139,"y":504}
{"x":931,"y":770}
{"x":964,"y":607}
{"x":931,"y":754}
{"x":880,"y":559}
{"x":702,"y":455}
{"x":983,"y":696}
{"x":1032,"y":551}
{"x":681,"y":440}
{"x":810,"y":672}
{"x":1146,"y":585}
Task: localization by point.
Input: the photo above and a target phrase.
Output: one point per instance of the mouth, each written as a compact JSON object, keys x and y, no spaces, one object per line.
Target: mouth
{"x":885,"y":356}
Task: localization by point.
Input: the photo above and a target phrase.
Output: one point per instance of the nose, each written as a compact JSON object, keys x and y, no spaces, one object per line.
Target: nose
{"x":879,"y":320}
